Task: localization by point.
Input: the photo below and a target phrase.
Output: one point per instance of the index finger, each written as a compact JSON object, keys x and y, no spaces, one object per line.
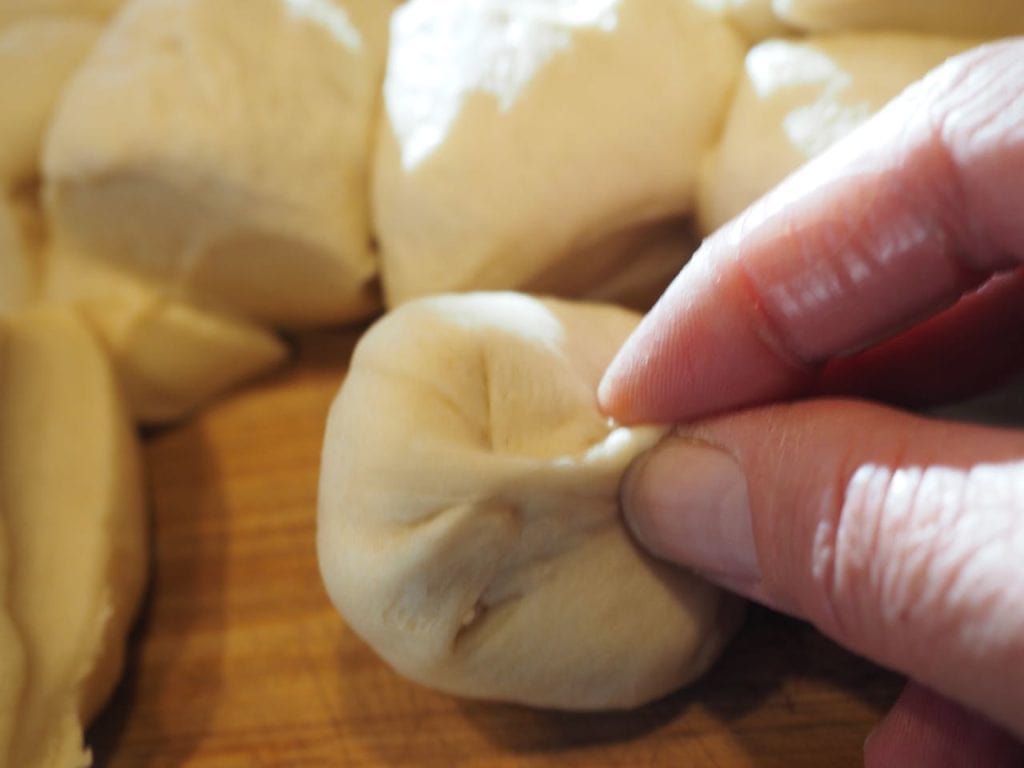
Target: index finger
{"x":895,"y":223}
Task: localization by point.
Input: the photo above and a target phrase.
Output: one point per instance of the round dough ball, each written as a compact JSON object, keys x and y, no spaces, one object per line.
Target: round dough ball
{"x":469,"y":527}
{"x":797,"y":98}
{"x":220,"y":150}
{"x":990,"y":18}
{"x":518,"y":135}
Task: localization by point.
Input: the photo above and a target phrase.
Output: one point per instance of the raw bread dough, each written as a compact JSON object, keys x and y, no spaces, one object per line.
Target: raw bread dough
{"x":15,"y":10}
{"x":988,"y":18}
{"x":71,"y":505}
{"x":468,"y":522}
{"x":517,"y":134}
{"x":12,"y":652}
{"x":17,"y":270}
{"x":755,"y":19}
{"x":171,"y":357}
{"x":797,"y":98}
{"x":37,"y":56}
{"x":221,"y":150}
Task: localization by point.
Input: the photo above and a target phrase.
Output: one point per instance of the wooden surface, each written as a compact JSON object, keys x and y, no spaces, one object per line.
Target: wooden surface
{"x":239,"y":659}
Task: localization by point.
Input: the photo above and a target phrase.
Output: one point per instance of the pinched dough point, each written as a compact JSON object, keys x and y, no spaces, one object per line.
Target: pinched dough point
{"x":995,"y":18}
{"x":72,"y":509}
{"x":220,"y":150}
{"x":469,"y":526}
{"x":517,"y":135}
{"x":797,"y":98}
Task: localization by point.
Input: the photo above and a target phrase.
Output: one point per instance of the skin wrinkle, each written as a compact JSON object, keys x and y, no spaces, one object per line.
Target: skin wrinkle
{"x":974,"y":237}
{"x":975,"y":132}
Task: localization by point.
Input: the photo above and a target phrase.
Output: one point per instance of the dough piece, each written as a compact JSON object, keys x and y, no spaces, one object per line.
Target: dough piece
{"x":12,"y":11}
{"x":986,"y":18}
{"x":17,"y":271}
{"x":36,"y":58}
{"x":71,"y":500}
{"x":170,"y":356}
{"x":12,"y":651}
{"x":518,"y":134}
{"x":220,"y":150}
{"x":799,"y":97}
{"x":468,"y":522}
{"x":754,"y":19}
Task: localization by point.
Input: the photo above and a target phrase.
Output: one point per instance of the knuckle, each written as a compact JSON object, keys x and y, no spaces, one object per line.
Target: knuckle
{"x":917,"y":553}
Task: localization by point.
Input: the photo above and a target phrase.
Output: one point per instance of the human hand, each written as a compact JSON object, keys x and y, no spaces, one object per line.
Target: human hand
{"x":892,"y":266}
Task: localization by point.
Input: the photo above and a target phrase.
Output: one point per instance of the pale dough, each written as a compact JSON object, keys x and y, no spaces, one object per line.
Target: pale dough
{"x":12,"y":11}
{"x":37,"y":55}
{"x":220,"y":150}
{"x":798,"y":97}
{"x":988,"y":18}
{"x":72,"y":509}
{"x":171,"y":357}
{"x":755,"y":19}
{"x":18,"y":278}
{"x":469,"y":527}
{"x":519,"y":134}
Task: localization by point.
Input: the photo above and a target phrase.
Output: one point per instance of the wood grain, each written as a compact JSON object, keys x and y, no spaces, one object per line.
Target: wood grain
{"x":240,"y":660}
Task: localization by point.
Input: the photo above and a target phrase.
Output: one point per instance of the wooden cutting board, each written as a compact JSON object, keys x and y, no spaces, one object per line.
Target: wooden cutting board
{"x":239,"y":660}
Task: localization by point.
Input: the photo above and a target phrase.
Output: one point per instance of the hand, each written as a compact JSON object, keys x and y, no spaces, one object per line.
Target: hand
{"x":890,"y":267}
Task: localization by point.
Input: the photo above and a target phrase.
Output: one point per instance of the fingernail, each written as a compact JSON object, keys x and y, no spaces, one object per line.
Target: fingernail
{"x":687,"y":502}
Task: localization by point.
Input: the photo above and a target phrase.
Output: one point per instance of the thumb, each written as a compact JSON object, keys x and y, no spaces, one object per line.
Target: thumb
{"x":901,"y":538}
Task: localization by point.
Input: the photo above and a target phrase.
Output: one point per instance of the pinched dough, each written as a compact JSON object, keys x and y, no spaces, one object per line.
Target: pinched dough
{"x":469,"y":527}
{"x":798,"y":97}
{"x":221,"y":151}
{"x":519,"y":134}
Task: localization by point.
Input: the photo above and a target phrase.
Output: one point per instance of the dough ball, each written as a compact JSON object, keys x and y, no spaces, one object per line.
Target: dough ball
{"x":989,"y":18}
{"x":220,"y":150}
{"x":469,"y":527}
{"x":754,"y":19}
{"x":170,"y":356}
{"x":72,"y":513}
{"x":36,"y":58}
{"x":797,"y":98}
{"x":518,"y":135}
